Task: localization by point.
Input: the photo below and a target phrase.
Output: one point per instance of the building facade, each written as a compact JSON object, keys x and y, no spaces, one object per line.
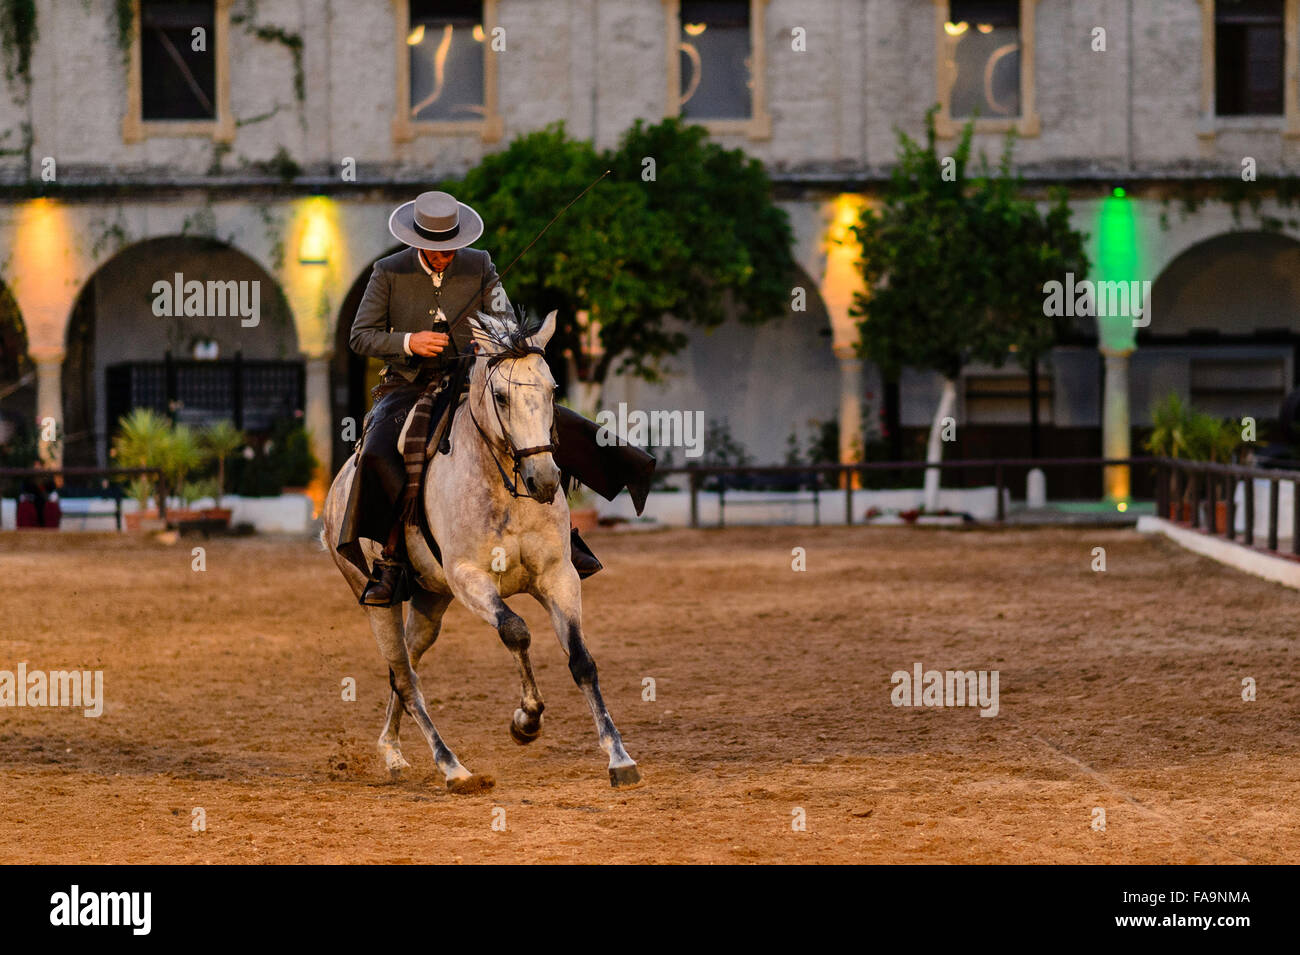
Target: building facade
{"x":261,"y":144}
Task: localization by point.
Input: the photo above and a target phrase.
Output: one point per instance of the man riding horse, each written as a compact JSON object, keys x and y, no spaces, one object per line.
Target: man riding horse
{"x":411,"y":316}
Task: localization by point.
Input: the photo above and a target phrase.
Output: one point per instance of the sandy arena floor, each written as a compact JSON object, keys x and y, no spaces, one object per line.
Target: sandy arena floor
{"x":1119,"y":690}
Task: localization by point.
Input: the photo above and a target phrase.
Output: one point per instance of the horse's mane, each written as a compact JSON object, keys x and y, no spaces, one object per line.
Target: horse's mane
{"x":513,"y":343}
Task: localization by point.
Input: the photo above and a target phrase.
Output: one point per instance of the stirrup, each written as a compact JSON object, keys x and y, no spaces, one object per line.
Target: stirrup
{"x":392,"y":572}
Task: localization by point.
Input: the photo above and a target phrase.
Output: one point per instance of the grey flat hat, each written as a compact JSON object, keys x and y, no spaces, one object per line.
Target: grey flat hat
{"x":437,"y":222}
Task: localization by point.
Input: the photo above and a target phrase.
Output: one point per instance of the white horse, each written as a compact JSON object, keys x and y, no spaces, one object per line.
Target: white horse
{"x":494,"y":543}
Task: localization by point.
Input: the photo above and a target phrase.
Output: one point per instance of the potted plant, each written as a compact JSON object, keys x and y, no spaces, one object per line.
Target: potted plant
{"x":1168,"y":440}
{"x":219,"y":442}
{"x":141,"y":442}
{"x":1215,"y":440}
{"x":181,"y":456}
{"x":141,"y":490}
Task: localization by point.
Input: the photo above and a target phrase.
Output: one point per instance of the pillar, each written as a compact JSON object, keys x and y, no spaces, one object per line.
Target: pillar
{"x":319,"y":423}
{"x":841,"y":282}
{"x":1115,"y":423}
{"x":850,"y":413}
{"x":49,"y":403}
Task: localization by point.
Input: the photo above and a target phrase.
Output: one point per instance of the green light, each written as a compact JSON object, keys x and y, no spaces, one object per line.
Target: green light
{"x":1119,"y":259}
{"x":1119,"y":192}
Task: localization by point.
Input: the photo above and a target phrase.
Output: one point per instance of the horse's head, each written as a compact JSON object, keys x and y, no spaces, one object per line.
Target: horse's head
{"x":512,"y":397}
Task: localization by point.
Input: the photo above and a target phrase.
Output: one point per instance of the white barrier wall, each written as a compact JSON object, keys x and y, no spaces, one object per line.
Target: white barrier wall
{"x":285,"y":514}
{"x":1285,"y":508}
{"x":795,"y":507}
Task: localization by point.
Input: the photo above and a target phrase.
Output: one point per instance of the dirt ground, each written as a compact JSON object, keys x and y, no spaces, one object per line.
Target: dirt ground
{"x":1119,"y":690}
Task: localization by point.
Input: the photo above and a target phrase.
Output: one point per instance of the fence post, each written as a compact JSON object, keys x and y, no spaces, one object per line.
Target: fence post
{"x":1230,"y":532}
{"x":1002,"y":508}
{"x":1207,"y":498}
{"x":695,"y":500}
{"x":1272,"y":514}
{"x":722,"y":500}
{"x":1295,"y":517}
{"x":1249,"y":485}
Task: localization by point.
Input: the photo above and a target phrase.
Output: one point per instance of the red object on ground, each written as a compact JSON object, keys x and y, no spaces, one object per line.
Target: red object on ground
{"x":26,"y":516}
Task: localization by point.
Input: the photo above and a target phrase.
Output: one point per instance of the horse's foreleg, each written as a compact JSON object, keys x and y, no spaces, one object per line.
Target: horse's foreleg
{"x":386,"y":623}
{"x":423,"y":621}
{"x":479,"y":593}
{"x":562,"y":596}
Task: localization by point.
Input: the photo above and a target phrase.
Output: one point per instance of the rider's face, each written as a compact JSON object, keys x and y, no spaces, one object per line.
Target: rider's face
{"x":438,"y":260}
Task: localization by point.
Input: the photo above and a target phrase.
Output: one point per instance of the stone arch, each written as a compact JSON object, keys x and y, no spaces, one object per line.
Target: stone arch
{"x":1224,"y":329}
{"x":17,"y":380}
{"x":113,"y":326}
{"x":1231,"y":284}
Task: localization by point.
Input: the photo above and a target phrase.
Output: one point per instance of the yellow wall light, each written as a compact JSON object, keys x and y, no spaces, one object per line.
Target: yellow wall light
{"x":314,"y":245}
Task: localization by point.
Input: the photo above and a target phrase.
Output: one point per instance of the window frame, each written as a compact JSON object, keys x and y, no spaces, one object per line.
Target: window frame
{"x":759,"y":124}
{"x":1027,"y":124}
{"x":135,"y":128}
{"x":1288,"y":124}
{"x":489,"y":129}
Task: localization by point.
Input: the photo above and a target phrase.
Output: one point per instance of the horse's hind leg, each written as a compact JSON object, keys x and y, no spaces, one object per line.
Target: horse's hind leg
{"x":386,"y":623}
{"x":562,"y":596}
{"x":478,"y":592}
{"x":423,"y":621}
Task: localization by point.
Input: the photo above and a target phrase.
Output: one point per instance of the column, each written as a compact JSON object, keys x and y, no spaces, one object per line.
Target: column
{"x":49,"y":403}
{"x":1115,"y":423}
{"x":850,"y":415}
{"x":320,"y":424}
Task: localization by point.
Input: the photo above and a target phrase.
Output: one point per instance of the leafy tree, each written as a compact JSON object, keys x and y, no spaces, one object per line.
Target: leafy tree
{"x":632,"y":252}
{"x":954,"y":265}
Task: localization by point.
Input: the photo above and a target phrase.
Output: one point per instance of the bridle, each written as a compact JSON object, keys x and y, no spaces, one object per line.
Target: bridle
{"x":517,"y":454}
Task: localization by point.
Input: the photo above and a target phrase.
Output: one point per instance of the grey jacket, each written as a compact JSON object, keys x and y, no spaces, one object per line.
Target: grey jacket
{"x":401,"y":298}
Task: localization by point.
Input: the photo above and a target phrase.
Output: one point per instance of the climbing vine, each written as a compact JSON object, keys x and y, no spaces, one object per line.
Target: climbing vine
{"x":125,"y":11}
{"x":17,"y":35}
{"x":293,"y":43}
{"x":275,"y":34}
{"x":1239,"y":195}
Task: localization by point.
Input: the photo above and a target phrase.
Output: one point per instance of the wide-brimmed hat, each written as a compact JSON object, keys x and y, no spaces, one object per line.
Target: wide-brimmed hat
{"x":437,"y":222}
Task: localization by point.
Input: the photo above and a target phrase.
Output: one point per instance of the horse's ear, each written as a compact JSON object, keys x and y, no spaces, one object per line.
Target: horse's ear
{"x":539,"y":338}
{"x":490,"y":333}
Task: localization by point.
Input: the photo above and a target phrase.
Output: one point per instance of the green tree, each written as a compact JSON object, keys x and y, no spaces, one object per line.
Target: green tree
{"x":635,"y":253}
{"x":954,"y":265}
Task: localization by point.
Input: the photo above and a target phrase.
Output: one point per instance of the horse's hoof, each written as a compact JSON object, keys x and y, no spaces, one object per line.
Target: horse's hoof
{"x":520,"y":736}
{"x":624,"y":777}
{"x":394,"y":762}
{"x":471,"y":784}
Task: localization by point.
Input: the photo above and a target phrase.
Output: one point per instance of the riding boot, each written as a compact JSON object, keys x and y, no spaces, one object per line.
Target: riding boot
{"x":584,"y":561}
{"x":389,"y":583}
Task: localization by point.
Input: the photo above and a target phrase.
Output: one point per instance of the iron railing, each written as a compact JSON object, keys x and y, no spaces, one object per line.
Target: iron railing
{"x":1191,"y":491}
{"x":841,"y":473}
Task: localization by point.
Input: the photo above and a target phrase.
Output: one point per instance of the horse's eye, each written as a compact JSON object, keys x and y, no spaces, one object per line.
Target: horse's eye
{"x":501,"y":399}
